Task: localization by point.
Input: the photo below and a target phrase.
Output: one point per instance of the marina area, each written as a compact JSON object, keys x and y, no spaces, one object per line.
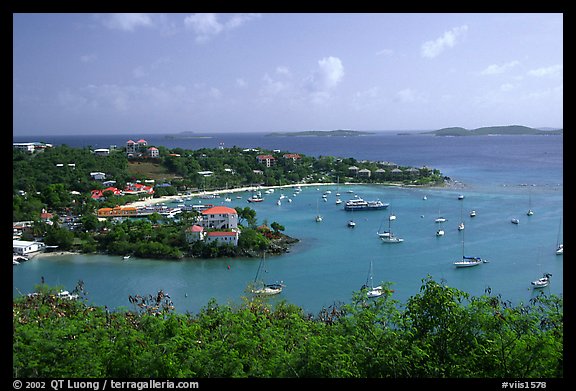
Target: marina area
{"x":329,"y":262}
{"x":500,"y":179}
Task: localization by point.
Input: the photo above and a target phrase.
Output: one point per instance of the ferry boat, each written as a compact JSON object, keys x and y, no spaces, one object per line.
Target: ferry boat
{"x":360,"y":204}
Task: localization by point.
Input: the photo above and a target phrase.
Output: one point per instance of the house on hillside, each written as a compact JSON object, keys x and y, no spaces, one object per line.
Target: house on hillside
{"x":268,"y":160}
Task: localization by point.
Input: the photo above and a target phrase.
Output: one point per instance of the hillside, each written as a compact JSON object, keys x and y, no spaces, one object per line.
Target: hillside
{"x":493,"y":130}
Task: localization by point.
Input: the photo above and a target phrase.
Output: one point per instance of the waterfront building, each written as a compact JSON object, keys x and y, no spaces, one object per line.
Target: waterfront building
{"x":219,"y":217}
{"x":23,"y":247}
{"x":223,"y":237}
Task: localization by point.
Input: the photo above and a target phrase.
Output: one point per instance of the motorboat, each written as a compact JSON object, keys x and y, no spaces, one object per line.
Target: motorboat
{"x":360,"y":204}
{"x":542,"y":282}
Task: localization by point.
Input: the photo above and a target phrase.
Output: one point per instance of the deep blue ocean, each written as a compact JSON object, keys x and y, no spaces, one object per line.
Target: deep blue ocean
{"x":500,"y":177}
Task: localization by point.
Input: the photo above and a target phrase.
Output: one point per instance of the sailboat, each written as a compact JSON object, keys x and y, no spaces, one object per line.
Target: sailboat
{"x":461,"y":225}
{"x":260,"y":287}
{"x":559,"y":244}
{"x":468,"y":261}
{"x":530,"y":211}
{"x":351,"y":222}
{"x":372,"y":291}
{"x":389,"y":237}
{"x":318,"y":215}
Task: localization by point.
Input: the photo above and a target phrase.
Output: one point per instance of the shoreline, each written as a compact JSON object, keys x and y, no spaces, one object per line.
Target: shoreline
{"x":152,"y":201}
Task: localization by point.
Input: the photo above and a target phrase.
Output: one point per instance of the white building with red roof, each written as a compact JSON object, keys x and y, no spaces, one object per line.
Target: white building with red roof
{"x":194,"y":233}
{"x":220,"y":217}
{"x":153,"y":152}
{"x":131,"y":146}
{"x":266,"y":159}
{"x":223,"y":237}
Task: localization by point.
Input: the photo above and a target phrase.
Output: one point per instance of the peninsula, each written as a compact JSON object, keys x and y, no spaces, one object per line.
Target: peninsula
{"x":494,"y":130}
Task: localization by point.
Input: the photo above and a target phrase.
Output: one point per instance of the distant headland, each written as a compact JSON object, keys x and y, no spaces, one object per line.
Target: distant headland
{"x":184,"y":135}
{"x":324,"y":133}
{"x":494,"y":130}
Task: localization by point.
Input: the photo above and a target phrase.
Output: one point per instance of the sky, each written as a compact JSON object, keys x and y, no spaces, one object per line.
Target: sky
{"x":83,"y":73}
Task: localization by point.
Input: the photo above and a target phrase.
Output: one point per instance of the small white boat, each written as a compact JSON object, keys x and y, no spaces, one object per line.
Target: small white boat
{"x":318,"y":218}
{"x":542,"y":282}
{"x":559,"y":244}
{"x":351,"y":224}
{"x":391,"y":239}
{"x":261,"y":288}
{"x":440,"y":220}
{"x":461,"y":226}
{"x":461,"y":196}
{"x":338,"y":201}
{"x":472,"y":213}
{"x":126,"y":257}
{"x":388,"y":236}
{"x":440,"y":232}
{"x":468,"y":262}
{"x":372,"y":291}
{"x":560,"y":249}
{"x":515,"y":221}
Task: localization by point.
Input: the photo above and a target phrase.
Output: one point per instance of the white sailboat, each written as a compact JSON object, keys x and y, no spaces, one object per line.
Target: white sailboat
{"x":390,"y":237}
{"x":461,"y":225}
{"x":259,"y":287}
{"x":372,"y":291}
{"x":318,"y":215}
{"x":468,"y":261}
{"x":559,"y":244}
{"x":530,"y":211}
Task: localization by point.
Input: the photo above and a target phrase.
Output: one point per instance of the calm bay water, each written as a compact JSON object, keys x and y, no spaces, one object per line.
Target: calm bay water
{"x":500,"y":176}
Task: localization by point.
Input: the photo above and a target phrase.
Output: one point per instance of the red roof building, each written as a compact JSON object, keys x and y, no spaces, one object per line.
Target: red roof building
{"x":220,"y":217}
{"x":266,"y":159}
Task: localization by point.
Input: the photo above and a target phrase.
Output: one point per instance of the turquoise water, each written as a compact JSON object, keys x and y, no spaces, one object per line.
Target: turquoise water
{"x":332,"y":260}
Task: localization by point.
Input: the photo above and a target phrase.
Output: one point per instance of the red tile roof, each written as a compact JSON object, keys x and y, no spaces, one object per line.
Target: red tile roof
{"x":219,"y":210}
{"x":222,"y":233}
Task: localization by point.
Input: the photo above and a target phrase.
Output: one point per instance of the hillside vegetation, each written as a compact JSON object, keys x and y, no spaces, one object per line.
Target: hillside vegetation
{"x":441,"y":332}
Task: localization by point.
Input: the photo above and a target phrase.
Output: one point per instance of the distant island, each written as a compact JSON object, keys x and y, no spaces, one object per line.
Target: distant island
{"x":322,"y":133}
{"x":184,"y":135}
{"x":494,"y":130}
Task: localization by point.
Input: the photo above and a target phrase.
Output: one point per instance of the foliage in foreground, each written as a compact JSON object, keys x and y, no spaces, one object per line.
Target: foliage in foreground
{"x":441,"y":333}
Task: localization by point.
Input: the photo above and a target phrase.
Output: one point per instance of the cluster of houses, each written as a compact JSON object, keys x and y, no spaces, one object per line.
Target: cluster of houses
{"x":269,"y":160}
{"x":130,"y":188}
{"x":140,"y":149}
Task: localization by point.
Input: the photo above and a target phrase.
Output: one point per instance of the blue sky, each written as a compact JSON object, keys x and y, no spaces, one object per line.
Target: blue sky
{"x":210,"y":73}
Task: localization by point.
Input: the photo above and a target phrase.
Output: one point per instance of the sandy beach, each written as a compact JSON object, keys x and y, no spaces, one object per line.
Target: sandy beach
{"x":158,"y":200}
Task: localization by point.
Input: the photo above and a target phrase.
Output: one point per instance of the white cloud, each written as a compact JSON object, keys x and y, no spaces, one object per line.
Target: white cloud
{"x":241,"y":83}
{"x":328,"y":75}
{"x":507,"y":87}
{"x":409,"y":95}
{"x":495,"y":69}
{"x":282,"y":70}
{"x":87,"y":58}
{"x":548,"y":71}
{"x":126,"y":22}
{"x":434,"y":48}
{"x":207,"y":25}
{"x":385,"y":52}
